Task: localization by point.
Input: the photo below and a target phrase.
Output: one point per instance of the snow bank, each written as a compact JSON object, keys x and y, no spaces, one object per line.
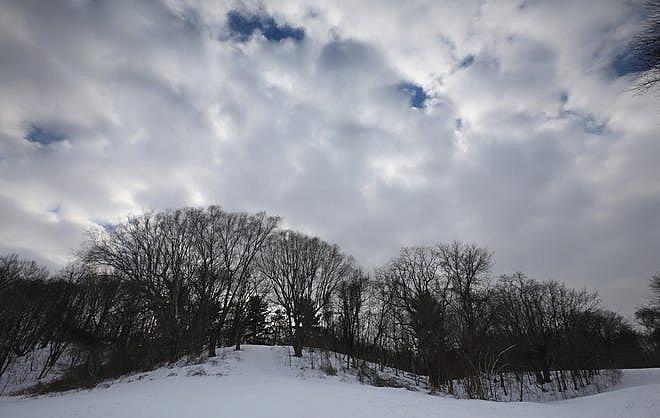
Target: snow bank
{"x":267,"y":382}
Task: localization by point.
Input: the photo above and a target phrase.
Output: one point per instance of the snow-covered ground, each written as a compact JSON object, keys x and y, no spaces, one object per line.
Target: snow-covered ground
{"x":266,"y":382}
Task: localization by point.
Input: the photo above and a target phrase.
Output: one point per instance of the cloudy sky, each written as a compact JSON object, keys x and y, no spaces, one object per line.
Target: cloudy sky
{"x":373,"y":124}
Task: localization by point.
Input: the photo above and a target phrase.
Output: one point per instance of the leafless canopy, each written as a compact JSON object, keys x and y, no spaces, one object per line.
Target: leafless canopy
{"x":304,"y":273}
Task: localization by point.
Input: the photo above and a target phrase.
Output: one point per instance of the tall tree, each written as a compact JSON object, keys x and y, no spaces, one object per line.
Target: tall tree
{"x":239,"y":238}
{"x":304,"y":273}
{"x":649,"y":316}
{"x":421,"y":297}
{"x":192,"y":266}
{"x":351,"y":295}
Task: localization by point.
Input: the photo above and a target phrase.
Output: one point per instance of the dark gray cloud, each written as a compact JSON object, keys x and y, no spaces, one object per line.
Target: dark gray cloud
{"x":371,"y":125}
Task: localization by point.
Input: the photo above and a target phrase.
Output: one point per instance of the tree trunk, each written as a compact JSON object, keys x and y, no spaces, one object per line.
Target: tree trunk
{"x":212,"y":344}
{"x":298,"y":342}
{"x":297,"y":349}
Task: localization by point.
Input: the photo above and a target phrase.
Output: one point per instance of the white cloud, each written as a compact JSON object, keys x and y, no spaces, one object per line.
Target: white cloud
{"x":553,"y":164}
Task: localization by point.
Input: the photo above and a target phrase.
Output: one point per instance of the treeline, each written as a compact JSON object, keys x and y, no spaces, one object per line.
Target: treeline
{"x":177,"y":283}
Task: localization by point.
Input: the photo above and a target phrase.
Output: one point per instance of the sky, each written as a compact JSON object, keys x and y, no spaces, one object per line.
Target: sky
{"x":372,"y":124}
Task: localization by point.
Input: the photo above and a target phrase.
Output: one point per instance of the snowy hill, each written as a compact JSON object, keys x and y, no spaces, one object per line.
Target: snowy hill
{"x":264,"y":381}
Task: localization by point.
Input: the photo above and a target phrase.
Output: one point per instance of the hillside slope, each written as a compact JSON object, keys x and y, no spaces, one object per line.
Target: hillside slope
{"x":261,"y":382}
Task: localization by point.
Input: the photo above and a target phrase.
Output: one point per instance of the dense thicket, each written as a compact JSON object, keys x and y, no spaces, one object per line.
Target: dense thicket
{"x":165,"y":285}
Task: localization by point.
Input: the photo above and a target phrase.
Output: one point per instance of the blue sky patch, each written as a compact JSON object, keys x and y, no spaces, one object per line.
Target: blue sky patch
{"x":42,"y":135}
{"x":242,"y":26}
{"x":627,"y":63}
{"x":416,"y":92}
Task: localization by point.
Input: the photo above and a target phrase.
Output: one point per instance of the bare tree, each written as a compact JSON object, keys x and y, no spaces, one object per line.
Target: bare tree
{"x":14,"y":268}
{"x":649,"y":317}
{"x":421,"y":297}
{"x":150,"y":252}
{"x":351,"y":295}
{"x":191,"y":265}
{"x":466,"y":267}
{"x":24,"y":307}
{"x":549,"y":324}
{"x":230,"y":243}
{"x":169,"y":283}
{"x":304,"y":273}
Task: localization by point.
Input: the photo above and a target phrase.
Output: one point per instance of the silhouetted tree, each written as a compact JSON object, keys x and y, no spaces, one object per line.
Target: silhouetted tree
{"x":649,"y":317}
{"x":256,"y":319}
{"x":421,"y":296}
{"x":351,"y":294}
{"x":304,"y":273}
{"x":166,"y":284}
